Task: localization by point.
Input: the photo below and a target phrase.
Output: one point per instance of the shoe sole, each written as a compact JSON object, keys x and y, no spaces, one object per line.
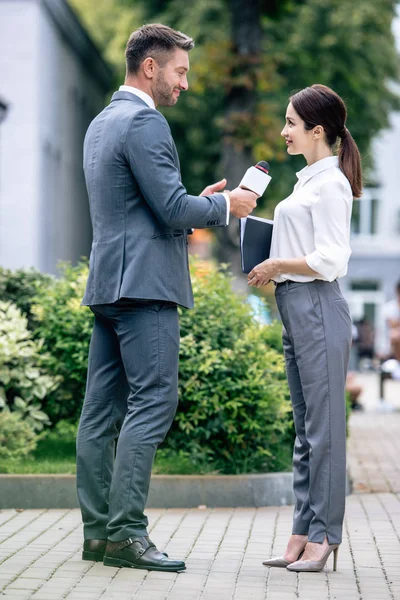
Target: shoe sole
{"x":94,"y":556}
{"x":117,"y":562}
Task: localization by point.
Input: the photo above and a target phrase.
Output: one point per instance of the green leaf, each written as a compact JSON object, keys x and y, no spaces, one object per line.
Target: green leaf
{"x":19,"y":403}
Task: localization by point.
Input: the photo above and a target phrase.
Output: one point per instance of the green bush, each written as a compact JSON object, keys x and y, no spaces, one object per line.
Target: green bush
{"x":17,"y":437}
{"x":24,"y":381}
{"x":234,"y":414}
{"x":20,"y":288}
{"x":65,"y":326}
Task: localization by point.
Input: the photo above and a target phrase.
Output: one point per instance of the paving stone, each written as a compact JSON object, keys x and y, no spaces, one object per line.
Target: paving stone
{"x":40,"y":551}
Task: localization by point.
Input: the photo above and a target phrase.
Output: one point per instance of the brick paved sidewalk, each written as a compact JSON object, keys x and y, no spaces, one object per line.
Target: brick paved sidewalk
{"x":374,"y":443}
{"x":40,"y":550}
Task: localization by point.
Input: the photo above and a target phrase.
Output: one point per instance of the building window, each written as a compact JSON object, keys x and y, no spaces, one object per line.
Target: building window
{"x":365,"y":215}
{"x":365,"y":285}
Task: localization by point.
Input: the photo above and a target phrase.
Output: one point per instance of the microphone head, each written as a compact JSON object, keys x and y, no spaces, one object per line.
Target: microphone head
{"x":262,"y":165}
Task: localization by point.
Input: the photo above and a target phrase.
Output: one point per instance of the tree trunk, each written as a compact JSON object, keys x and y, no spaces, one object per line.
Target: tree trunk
{"x":240,"y":106}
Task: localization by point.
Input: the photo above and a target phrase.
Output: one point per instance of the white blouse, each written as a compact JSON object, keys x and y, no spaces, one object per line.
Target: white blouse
{"x":314,"y":222}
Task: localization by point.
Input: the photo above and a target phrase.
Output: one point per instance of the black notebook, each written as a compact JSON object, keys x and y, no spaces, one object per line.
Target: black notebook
{"x":255,"y":241}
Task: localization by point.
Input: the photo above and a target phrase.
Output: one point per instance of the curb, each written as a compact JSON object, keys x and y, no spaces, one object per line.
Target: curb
{"x":166,"y":491}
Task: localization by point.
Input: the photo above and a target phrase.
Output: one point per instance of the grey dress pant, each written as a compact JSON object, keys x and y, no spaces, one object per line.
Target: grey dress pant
{"x":130,"y":402}
{"x":316,"y":341}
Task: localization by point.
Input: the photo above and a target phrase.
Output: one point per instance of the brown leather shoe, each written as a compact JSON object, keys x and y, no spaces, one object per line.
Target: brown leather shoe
{"x":94,"y":550}
{"x":139,"y":553}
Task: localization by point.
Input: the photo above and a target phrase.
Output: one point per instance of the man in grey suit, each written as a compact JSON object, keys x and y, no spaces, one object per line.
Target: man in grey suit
{"x":138,"y":276}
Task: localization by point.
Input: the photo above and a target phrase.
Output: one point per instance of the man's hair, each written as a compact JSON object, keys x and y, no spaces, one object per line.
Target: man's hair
{"x":157,"y":41}
{"x":398,"y":287}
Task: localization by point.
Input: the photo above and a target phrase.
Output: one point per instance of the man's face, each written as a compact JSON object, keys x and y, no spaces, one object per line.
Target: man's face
{"x":171,"y":79}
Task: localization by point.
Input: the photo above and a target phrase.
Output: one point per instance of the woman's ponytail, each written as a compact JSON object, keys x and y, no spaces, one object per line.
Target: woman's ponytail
{"x":350,"y":161}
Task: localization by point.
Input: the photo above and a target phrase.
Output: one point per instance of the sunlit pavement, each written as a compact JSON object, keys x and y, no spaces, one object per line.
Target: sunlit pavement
{"x":40,"y":549}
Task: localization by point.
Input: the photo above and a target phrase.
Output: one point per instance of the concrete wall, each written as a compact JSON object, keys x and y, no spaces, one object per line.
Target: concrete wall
{"x":19,"y":134}
{"x":52,"y":96}
{"x":68,"y":101}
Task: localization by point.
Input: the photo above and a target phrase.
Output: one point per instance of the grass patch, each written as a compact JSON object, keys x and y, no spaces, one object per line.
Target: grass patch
{"x":55,"y":453}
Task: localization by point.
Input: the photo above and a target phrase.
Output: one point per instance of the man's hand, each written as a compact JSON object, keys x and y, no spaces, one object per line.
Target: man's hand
{"x":214,"y":188}
{"x":243,"y":202}
{"x":263,"y":273}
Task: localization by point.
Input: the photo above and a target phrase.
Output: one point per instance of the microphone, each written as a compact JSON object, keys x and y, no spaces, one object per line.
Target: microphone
{"x":256,"y":179}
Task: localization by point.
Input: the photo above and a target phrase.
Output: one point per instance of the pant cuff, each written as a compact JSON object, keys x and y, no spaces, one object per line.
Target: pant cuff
{"x":91,"y":533}
{"x":319,"y":537}
{"x":126,"y":533}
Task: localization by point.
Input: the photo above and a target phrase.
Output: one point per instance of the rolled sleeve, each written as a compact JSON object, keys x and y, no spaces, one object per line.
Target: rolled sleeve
{"x":330,"y":217}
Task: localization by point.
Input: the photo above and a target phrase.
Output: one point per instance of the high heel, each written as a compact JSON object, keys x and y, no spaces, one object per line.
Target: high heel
{"x":315,"y":565}
{"x":280,"y":561}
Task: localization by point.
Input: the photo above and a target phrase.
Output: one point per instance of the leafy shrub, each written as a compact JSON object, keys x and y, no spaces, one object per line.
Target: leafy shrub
{"x":20,"y":288}
{"x":24,"y":382}
{"x":17,"y":437}
{"x":234,"y":411}
{"x":65,"y":326}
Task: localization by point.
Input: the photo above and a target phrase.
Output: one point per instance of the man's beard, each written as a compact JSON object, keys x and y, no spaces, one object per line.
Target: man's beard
{"x":163,"y":93}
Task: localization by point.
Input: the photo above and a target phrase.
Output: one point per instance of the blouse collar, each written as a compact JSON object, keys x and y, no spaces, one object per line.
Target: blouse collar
{"x":317,"y":167}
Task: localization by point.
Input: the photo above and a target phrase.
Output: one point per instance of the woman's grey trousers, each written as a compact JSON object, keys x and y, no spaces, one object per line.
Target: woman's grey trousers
{"x":316,"y":341}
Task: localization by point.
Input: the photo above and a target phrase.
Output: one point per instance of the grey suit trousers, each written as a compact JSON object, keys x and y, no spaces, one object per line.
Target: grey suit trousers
{"x":316,"y":341}
{"x":130,"y":402}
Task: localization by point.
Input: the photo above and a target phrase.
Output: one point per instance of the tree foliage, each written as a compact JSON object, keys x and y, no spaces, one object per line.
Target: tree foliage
{"x":345,"y":44}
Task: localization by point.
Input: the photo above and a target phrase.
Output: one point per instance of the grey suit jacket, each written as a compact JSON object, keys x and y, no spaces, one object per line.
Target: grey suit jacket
{"x":139,"y":208}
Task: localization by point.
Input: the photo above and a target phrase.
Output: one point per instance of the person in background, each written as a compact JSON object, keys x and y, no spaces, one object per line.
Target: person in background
{"x":310,"y":251}
{"x":391,"y":313}
{"x":365,"y":343}
{"x":354,"y":389}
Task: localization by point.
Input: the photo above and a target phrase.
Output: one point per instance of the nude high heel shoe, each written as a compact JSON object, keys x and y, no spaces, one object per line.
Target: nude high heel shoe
{"x":302,"y":566}
{"x":280,"y":561}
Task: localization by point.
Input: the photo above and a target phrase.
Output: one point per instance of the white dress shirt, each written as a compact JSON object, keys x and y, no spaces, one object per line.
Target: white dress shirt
{"x":314,"y":222}
{"x":133,"y":90}
{"x":150,"y":102}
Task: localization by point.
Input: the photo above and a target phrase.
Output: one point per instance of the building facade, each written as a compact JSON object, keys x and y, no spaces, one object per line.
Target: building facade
{"x":374,"y":267}
{"x":52,"y":83}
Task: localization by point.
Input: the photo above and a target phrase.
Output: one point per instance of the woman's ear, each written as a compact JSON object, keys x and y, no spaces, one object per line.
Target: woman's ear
{"x":318,"y":132}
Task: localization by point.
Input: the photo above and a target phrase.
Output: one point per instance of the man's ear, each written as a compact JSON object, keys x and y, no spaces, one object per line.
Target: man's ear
{"x":149,"y":67}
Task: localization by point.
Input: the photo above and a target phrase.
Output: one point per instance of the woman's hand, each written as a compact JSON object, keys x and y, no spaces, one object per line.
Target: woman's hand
{"x":263,"y":273}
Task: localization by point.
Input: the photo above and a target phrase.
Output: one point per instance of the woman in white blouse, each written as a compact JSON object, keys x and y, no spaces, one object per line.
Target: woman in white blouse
{"x":309,"y":252}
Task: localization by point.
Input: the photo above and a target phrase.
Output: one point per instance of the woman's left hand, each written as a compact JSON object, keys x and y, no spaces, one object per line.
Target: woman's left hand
{"x":263,"y":273}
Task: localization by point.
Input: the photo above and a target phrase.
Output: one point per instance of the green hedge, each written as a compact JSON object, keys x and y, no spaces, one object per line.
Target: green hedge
{"x":234,"y":414}
{"x":20,"y":288}
{"x":24,"y":380}
{"x":65,"y":326}
{"x":234,"y":410}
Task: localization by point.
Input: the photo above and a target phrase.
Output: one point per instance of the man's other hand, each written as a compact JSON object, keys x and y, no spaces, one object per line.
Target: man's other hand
{"x":243,"y":202}
{"x":214,"y":188}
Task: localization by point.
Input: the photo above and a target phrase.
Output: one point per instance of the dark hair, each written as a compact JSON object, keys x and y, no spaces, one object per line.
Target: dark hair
{"x":319,"y":105}
{"x":398,"y":287}
{"x":155,"y":40}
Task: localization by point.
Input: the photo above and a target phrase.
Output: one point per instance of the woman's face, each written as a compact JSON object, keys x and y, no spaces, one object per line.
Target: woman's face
{"x":298,"y":140}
